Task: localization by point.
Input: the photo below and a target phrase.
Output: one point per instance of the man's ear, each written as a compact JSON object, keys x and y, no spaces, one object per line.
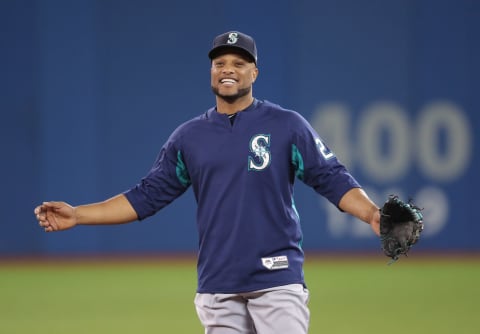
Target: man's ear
{"x":255,"y":74}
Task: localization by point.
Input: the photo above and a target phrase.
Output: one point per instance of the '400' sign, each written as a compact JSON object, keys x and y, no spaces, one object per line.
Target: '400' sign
{"x":386,"y":144}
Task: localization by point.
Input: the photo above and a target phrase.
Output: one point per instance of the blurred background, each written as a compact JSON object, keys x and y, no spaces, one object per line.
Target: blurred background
{"x":90,"y":90}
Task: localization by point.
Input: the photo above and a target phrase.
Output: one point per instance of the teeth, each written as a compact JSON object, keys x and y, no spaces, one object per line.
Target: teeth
{"x":227,"y":81}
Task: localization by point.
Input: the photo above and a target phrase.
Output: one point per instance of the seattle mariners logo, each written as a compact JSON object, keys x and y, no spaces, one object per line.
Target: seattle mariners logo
{"x":232,"y":38}
{"x":260,"y":147}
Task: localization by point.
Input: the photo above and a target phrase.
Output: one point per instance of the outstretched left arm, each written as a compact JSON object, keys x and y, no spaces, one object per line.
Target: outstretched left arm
{"x":357,"y":203}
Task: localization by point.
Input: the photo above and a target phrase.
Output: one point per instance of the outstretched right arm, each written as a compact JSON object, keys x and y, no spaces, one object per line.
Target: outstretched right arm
{"x":58,"y":216}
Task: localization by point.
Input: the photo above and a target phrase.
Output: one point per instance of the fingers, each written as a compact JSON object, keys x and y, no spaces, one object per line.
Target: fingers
{"x":44,"y":223}
{"x":48,"y":229}
{"x":41,"y":209}
{"x":42,"y":217}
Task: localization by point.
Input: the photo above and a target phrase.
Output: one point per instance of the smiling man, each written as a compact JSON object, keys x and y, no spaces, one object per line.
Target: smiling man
{"x":241,"y":158}
{"x":233,"y":72}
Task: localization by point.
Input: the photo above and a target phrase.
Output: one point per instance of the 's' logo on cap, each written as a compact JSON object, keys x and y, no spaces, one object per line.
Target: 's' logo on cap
{"x":232,"y":38}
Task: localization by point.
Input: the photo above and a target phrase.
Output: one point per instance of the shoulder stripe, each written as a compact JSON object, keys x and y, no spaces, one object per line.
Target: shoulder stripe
{"x":182,"y":172}
{"x":297,"y":161}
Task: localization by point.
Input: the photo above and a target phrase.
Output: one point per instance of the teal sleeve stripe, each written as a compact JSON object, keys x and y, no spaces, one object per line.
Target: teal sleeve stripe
{"x":295,"y":208}
{"x":300,"y":243}
{"x":182,"y":172}
{"x":297,"y":162}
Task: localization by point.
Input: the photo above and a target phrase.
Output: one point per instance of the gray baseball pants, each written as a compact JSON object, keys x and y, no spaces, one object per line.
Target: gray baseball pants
{"x":278,"y":310}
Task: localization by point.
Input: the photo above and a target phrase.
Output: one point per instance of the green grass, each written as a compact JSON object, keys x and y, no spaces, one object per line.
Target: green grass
{"x":427,"y":296}
{"x":347,"y":296}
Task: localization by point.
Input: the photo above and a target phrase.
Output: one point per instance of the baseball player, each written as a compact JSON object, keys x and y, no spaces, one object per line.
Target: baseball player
{"x":241,"y":158}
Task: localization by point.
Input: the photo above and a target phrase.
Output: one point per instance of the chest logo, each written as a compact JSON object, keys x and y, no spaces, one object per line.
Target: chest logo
{"x":261,"y":157}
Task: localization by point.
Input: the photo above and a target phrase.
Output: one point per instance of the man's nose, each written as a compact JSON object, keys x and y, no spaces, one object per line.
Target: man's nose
{"x":227,"y":69}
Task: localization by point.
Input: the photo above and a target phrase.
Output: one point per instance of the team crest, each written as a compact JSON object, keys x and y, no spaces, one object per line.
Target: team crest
{"x":232,"y":38}
{"x":260,"y":156}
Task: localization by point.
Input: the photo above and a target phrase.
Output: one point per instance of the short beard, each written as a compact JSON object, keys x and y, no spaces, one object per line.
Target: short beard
{"x":230,"y":99}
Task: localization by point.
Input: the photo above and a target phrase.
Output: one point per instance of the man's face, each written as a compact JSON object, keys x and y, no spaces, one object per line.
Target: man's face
{"x":232,"y":76}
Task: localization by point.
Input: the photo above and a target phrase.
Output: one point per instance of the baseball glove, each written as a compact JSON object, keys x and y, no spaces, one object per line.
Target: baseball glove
{"x":400,"y":226}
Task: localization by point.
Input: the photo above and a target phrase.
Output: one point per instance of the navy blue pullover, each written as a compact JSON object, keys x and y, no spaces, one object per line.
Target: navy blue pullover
{"x":242,"y":177}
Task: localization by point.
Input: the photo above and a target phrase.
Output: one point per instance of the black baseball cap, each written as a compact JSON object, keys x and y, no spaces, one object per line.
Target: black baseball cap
{"x":236,"y":41}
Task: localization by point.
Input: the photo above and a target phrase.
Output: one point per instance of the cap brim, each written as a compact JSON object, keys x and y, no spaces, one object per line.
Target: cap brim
{"x":225,"y":49}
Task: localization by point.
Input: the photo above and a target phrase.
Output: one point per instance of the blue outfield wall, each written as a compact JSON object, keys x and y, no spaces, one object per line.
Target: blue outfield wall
{"x":90,"y":90}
